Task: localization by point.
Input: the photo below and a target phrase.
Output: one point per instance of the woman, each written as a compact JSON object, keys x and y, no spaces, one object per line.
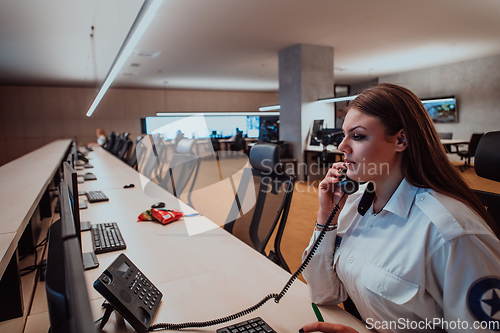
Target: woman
{"x":101,"y":137}
{"x":425,"y":254}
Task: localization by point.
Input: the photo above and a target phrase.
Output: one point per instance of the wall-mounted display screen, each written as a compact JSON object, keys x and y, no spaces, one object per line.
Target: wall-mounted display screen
{"x":206,"y":125}
{"x":442,"y":110}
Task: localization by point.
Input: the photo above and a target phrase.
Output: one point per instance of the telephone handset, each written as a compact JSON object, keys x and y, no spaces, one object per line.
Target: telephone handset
{"x":129,"y":292}
{"x":347,"y":185}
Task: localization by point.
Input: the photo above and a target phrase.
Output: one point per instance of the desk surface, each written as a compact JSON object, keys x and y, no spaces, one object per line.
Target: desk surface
{"x":24,"y":181}
{"x":454,"y":141}
{"x":202,"y":275}
{"x":330,"y":149}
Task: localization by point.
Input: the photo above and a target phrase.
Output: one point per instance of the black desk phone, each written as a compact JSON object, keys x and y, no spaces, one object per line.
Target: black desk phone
{"x":129,"y":292}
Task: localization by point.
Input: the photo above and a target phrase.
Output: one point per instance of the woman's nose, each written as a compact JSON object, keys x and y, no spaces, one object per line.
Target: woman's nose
{"x":343,"y":146}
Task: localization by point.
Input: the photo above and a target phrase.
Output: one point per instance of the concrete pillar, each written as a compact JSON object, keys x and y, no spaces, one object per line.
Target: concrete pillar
{"x":305,"y":75}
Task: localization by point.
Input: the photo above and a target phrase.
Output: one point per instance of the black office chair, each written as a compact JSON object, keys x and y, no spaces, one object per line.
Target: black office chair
{"x":136,"y":154}
{"x":239,"y":143}
{"x":471,"y":150}
{"x":487,"y":165}
{"x":262,"y":202}
{"x":153,"y":159}
{"x":215,"y":144}
{"x":125,"y":148}
{"x":181,"y":168}
{"x":117,"y":145}
{"x":110,"y":142}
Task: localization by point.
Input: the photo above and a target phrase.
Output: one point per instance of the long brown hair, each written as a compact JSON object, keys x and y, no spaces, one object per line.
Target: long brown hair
{"x":424,"y":162}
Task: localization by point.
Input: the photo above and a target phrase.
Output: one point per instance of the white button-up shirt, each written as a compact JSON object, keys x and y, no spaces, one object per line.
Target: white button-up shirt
{"x":426,"y":262}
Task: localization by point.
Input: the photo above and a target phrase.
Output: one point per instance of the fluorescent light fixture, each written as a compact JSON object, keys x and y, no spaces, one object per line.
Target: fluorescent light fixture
{"x":337,"y":99}
{"x":451,"y":99}
{"x":269,"y":108}
{"x":143,"y":19}
{"x":208,"y":114}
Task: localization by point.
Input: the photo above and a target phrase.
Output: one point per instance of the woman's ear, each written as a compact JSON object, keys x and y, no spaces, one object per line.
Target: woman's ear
{"x":401,"y":141}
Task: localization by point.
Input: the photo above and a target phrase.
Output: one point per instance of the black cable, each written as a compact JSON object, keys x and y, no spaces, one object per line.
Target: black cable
{"x":277,"y":297}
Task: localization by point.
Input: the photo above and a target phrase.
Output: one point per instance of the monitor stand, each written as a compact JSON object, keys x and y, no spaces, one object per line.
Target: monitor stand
{"x":85,"y":226}
{"x":89,"y":260}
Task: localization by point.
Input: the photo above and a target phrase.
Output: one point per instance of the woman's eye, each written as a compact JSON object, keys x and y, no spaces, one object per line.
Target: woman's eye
{"x":357,"y":137}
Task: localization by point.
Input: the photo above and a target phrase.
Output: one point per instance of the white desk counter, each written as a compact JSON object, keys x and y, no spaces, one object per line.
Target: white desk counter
{"x":24,"y":181}
{"x":203,"y":276}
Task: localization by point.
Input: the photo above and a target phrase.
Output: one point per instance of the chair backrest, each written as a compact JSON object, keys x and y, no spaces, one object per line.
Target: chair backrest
{"x":474,"y":141}
{"x":262,"y":202}
{"x":110,"y":142}
{"x":125,"y":149}
{"x":119,"y":142}
{"x":487,"y":165}
{"x":181,"y":168}
{"x":151,"y":161}
{"x":487,"y":160}
{"x":445,"y":135}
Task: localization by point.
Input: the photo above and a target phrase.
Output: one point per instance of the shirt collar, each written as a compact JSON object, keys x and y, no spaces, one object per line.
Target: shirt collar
{"x":402,"y":199}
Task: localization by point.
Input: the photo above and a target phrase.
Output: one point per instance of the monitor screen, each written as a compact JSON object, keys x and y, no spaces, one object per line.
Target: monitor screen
{"x":316,"y":132}
{"x":65,"y":285}
{"x":442,"y":110}
{"x":70,"y":178}
{"x":74,"y":153}
{"x":200,"y":126}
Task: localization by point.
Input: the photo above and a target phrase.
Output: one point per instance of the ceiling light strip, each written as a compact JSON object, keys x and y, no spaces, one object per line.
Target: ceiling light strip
{"x":269,"y":108}
{"x":210,"y":114}
{"x":336,"y":99}
{"x":451,"y":99}
{"x":143,"y":19}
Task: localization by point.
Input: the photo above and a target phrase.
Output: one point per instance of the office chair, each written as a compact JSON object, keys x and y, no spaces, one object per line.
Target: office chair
{"x":487,"y":165}
{"x":153,"y":159}
{"x":239,"y":143}
{"x":117,"y":145}
{"x":262,"y":202}
{"x":215,"y":144}
{"x":136,"y":154}
{"x":181,"y":168}
{"x":125,"y":148}
{"x":471,"y":150}
{"x":110,"y":141}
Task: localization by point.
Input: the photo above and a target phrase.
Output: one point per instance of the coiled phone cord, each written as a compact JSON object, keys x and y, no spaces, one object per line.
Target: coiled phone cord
{"x":277,"y":297}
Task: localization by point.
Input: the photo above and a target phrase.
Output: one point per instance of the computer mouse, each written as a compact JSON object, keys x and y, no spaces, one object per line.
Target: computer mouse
{"x":129,"y":186}
{"x":158,"y":205}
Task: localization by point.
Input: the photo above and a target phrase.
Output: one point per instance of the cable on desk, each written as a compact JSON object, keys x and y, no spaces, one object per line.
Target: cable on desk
{"x":277,"y":297}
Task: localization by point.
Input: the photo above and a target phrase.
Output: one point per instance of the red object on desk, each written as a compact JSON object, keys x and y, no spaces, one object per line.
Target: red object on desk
{"x":165,"y":216}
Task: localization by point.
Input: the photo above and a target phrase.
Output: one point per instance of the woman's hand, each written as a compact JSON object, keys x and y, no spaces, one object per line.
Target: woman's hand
{"x":327,"y":328}
{"x":329,"y":194}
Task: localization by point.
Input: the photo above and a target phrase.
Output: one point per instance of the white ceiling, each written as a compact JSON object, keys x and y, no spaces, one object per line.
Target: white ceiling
{"x":234,"y":44}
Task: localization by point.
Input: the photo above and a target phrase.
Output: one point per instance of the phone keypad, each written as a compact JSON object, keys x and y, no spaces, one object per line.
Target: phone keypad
{"x":143,"y":289}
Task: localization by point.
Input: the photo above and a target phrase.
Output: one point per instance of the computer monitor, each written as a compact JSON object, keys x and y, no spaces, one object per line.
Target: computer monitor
{"x":77,"y":155}
{"x":65,"y":285}
{"x":71,"y":180}
{"x":316,"y":132}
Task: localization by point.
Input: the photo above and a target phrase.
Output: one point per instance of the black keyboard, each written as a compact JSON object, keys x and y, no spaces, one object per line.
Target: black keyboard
{"x":96,"y":196}
{"x":107,"y":237}
{"x":256,"y":325}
